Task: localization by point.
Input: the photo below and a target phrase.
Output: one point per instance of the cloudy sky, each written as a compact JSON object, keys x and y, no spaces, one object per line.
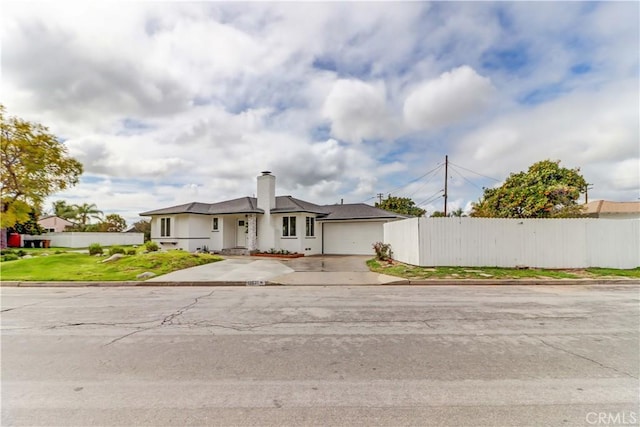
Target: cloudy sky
{"x":171,"y":102}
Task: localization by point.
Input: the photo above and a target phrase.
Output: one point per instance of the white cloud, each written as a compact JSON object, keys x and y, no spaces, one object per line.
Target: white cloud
{"x":358,"y":111}
{"x":175,"y":102}
{"x":452,"y":97}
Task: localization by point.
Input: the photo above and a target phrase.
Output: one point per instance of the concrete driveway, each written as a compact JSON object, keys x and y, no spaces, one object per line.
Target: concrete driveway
{"x":311,"y":270}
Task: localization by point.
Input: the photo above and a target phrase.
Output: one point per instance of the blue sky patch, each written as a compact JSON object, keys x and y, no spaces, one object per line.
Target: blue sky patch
{"x":543,"y":94}
{"x":511,"y":59}
{"x":582,"y":68}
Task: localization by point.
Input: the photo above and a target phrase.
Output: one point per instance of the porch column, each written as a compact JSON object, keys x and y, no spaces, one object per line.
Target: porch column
{"x":252,"y":238}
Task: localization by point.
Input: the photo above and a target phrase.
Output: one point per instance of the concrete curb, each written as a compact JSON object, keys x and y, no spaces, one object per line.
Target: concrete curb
{"x":521,"y":282}
{"x":400,"y":282}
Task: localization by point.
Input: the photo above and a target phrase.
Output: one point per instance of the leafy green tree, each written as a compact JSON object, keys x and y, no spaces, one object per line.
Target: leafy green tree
{"x":401,"y":205}
{"x":85,"y":212}
{"x":112,"y":223}
{"x":30,"y":226}
{"x":545,"y":190}
{"x":34,"y":165}
{"x":438,"y":214}
{"x":143,"y":226}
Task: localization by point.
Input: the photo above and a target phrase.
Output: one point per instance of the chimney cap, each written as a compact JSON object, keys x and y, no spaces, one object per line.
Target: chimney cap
{"x":266,"y":172}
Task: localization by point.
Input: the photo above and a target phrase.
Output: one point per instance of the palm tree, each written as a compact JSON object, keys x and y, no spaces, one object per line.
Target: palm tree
{"x":87,"y":211}
{"x":457,"y":213}
{"x":63,"y":210}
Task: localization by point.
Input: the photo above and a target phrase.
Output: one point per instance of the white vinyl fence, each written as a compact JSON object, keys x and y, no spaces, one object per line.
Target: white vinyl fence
{"x":72,"y":239}
{"x":489,"y":242}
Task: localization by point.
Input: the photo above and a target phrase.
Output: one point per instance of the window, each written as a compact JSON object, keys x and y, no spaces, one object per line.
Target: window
{"x":215,"y":224}
{"x":165,"y":227}
{"x":289,"y":226}
{"x":310,"y":228}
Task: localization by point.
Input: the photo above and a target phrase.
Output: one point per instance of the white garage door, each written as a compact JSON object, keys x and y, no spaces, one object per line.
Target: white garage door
{"x":351,"y":238}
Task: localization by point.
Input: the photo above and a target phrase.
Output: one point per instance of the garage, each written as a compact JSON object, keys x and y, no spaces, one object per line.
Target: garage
{"x":351,"y":238}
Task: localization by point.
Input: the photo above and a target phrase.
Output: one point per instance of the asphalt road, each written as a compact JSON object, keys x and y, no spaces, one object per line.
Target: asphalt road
{"x":455,"y":356}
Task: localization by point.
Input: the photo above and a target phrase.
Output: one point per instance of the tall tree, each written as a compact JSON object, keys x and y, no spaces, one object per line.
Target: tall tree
{"x":113,"y":223}
{"x":143,"y":226}
{"x":545,"y":190}
{"x":86,"y":211}
{"x":63,"y":210}
{"x":34,"y":165}
{"x":401,"y":205}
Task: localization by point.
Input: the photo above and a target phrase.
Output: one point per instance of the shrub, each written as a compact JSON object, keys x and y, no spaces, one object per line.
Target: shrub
{"x":10,"y":257}
{"x":383,"y":250}
{"x":21,"y":253}
{"x":6,"y":251}
{"x":151,"y":246}
{"x":116,"y":250}
{"x":131,"y":251}
{"x":95,"y":249}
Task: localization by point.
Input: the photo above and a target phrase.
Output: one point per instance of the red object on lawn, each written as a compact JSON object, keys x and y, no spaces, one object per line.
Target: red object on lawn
{"x":14,"y":240}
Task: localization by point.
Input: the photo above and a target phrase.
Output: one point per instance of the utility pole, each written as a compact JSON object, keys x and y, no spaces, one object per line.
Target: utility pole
{"x":446,"y":176}
{"x":586,"y":192}
{"x":380,"y":197}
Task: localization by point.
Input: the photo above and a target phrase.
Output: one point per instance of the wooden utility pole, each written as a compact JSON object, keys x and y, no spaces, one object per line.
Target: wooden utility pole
{"x":446,"y":178}
{"x":586,"y":193}
{"x":380,"y":197}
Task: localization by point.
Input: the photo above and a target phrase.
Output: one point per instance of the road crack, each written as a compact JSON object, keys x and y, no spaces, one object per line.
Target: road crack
{"x":602,"y":365}
{"x":167,"y":320}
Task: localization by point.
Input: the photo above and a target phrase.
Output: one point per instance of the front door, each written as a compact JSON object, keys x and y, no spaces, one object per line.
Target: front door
{"x":241,"y":233}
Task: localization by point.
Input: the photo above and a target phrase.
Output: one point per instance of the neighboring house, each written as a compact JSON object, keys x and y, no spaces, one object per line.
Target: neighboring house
{"x":612,"y":210}
{"x":270,"y":222}
{"x":54,"y":224}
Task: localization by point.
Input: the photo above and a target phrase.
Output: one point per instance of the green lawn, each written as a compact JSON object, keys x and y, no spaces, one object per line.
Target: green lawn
{"x":73,"y":266}
{"x":420,"y":273}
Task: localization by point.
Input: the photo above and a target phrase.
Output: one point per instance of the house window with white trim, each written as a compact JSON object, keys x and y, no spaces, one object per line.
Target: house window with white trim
{"x":310,"y":227}
{"x":165,"y":227}
{"x":215,"y":224}
{"x":289,"y":226}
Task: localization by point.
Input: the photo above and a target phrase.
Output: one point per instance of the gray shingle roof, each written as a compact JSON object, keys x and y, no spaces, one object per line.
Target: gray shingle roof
{"x":241,"y":205}
{"x":357,"y":211}
{"x":284,"y":204}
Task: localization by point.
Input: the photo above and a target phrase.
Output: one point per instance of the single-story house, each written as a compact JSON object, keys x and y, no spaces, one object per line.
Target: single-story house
{"x":54,"y":224}
{"x":612,"y":210}
{"x":269,"y":222}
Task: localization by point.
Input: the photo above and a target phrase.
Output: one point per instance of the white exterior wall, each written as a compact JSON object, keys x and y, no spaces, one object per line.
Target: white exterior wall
{"x":188,"y":232}
{"x":82,"y":240}
{"x":544,"y":243}
{"x":291,"y":244}
{"x":216,"y":241}
{"x":311,"y":245}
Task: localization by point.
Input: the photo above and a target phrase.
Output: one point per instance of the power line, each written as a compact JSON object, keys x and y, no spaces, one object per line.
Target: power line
{"x":431,"y":198}
{"x":463,"y":177}
{"x":416,"y":179}
{"x":469,"y":170}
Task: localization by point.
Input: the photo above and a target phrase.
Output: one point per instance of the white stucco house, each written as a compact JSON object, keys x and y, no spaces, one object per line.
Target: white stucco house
{"x":270,"y":222}
{"x":54,"y":224}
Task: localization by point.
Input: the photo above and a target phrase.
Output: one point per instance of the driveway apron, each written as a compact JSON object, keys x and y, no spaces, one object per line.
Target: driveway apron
{"x":332,"y":270}
{"x":315,"y":270}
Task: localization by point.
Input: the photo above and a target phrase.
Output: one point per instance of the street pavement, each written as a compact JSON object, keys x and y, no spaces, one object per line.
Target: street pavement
{"x":326,"y":356}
